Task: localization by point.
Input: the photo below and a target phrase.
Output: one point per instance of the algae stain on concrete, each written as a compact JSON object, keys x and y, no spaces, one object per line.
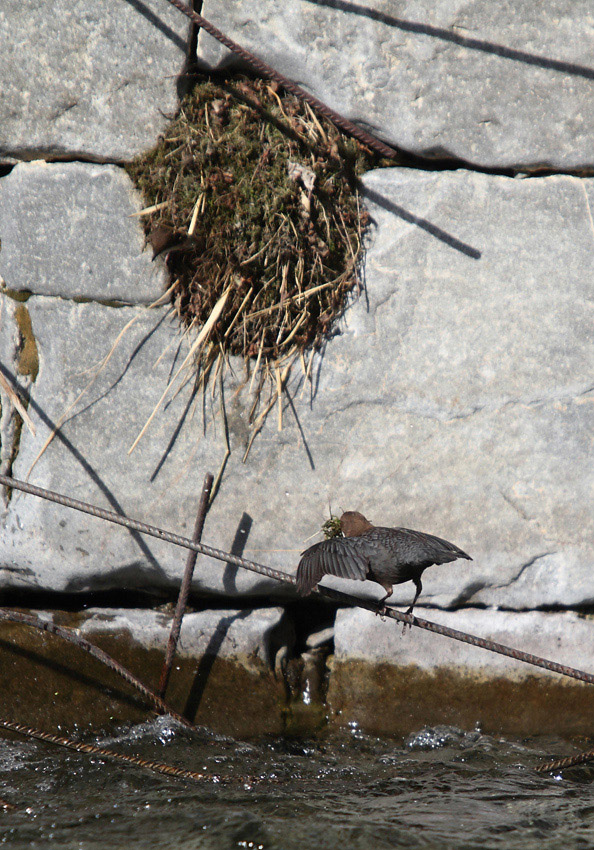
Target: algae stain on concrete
{"x":28,"y":363}
{"x":385,"y":699}
{"x":46,"y":682}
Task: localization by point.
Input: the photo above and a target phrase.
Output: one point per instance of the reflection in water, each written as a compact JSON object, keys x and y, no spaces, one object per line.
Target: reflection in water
{"x":440,"y":788}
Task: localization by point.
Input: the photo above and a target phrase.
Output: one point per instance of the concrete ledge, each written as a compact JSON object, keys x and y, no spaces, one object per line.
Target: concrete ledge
{"x":222,"y":677}
{"x":390,"y":683}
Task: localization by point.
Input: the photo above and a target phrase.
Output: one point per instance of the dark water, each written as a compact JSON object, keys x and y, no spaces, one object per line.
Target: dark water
{"x":441,"y":789}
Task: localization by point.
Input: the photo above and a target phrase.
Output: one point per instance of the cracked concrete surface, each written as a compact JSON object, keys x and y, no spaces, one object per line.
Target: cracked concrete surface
{"x":456,"y":400}
{"x":522,"y":568}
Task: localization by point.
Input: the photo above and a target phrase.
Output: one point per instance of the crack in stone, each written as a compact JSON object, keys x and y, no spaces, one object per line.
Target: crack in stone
{"x":63,"y":109}
{"x":21,"y":371}
{"x":539,"y":400}
{"x":522,"y":569}
{"x":23,"y":295}
{"x":516,"y":508}
{"x":585,"y":392}
{"x":439,"y":415}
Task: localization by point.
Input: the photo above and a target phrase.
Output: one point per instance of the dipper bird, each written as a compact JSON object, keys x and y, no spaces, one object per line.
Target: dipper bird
{"x":387,"y":556}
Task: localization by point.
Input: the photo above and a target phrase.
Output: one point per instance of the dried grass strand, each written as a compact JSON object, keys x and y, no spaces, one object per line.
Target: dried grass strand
{"x":201,"y":338}
{"x":17,"y":404}
{"x":99,"y":368}
{"x":150,"y":210}
{"x":257,"y":366}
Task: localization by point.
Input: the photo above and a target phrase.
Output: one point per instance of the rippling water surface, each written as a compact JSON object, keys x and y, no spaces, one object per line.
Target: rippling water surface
{"x":442,"y":788}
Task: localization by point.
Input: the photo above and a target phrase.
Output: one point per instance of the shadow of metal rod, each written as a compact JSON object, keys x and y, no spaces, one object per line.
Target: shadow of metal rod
{"x":334,"y":595}
{"x":266,"y":71}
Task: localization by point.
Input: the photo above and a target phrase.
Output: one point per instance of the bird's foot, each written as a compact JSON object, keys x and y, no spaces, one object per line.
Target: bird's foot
{"x":409,"y":622}
{"x":381,"y":611}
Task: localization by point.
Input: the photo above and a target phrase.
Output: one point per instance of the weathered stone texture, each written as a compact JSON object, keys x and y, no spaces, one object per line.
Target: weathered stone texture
{"x":473,"y":409}
{"x":89,"y":80}
{"x":69,"y":230}
{"x":245,"y":635}
{"x":457,"y":400}
{"x":48,"y":547}
{"x":564,"y":637}
{"x":501,"y":86}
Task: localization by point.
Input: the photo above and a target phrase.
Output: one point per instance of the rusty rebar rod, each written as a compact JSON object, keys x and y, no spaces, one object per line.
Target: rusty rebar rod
{"x":267,"y":71}
{"x":562,"y":764}
{"x":335,"y":595}
{"x":184,"y":590}
{"x":79,"y":747}
{"x":102,"y":656}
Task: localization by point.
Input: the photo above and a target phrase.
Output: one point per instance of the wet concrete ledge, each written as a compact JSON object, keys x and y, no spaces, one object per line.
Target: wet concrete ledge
{"x":385,"y":680}
{"x":248,"y":673}
{"x":384,"y":698}
{"x":223,"y":674}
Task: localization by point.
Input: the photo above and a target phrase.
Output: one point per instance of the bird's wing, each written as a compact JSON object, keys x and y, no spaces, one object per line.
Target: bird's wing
{"x":346,"y":557}
{"x":417,"y":546}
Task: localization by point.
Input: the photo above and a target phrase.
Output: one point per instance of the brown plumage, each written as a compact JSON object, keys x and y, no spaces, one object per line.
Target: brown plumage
{"x":387,"y":556}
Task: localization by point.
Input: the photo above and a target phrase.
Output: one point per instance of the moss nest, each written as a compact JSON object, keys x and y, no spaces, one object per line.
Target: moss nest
{"x":331,"y":528}
{"x":250,"y":198}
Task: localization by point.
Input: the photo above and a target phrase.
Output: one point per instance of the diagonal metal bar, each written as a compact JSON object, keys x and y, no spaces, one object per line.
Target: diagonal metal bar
{"x":79,"y":747}
{"x":142,"y":527}
{"x":184,"y":591}
{"x":336,"y":596}
{"x":267,"y":71}
{"x":463,"y":637}
{"x":562,"y":764}
{"x":71,"y":636}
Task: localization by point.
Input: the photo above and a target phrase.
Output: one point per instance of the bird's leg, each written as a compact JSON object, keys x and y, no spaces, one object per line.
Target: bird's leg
{"x":419,"y":587}
{"x":381,"y":606}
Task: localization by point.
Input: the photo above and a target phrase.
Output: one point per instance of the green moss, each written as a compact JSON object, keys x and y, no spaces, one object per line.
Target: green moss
{"x":331,"y":528}
{"x":242,"y":156}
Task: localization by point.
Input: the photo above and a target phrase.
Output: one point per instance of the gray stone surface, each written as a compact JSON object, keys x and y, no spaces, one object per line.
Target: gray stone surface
{"x":472,"y":414}
{"x":457,"y":400}
{"x":67,"y":230}
{"x":495,"y":86}
{"x":238,"y":634}
{"x":89,"y":80}
{"x":562,"y":637}
{"x":47,"y":547}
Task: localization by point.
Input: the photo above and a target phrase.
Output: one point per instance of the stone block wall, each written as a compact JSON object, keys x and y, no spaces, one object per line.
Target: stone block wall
{"x":457,"y":397}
